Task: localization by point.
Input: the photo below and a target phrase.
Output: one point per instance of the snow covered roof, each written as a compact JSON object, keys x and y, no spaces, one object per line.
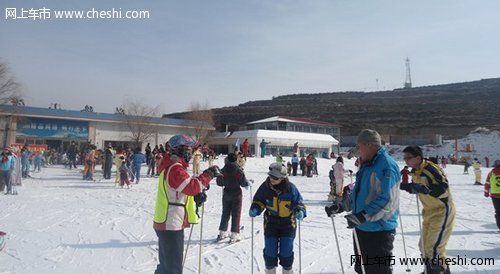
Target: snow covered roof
{"x":292,"y":120}
{"x":286,"y":138}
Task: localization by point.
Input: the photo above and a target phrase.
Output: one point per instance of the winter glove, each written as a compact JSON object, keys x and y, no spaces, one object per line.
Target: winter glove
{"x":486,"y":194}
{"x":350,"y":171}
{"x":353,"y":220}
{"x":200,"y":198}
{"x":253,"y":212}
{"x":333,"y":209}
{"x":414,"y":188}
{"x":299,"y":215}
{"x":213,"y":171}
{"x":249,"y":185}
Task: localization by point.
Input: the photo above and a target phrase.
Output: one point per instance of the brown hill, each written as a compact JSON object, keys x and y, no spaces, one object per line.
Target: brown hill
{"x":450,"y":109}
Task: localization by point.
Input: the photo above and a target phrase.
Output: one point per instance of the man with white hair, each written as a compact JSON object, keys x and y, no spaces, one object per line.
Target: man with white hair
{"x":375,"y":202}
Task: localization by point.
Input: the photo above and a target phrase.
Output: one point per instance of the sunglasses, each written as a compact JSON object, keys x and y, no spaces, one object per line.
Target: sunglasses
{"x":408,"y":158}
{"x":273,"y":177}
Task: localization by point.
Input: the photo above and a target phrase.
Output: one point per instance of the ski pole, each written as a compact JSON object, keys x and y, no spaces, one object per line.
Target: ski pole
{"x":201,"y":236}
{"x":300,"y":252}
{"x":338,"y":246}
{"x":420,"y":228}
{"x":404,"y":243}
{"x":187,"y":247}
{"x":358,"y":248}
{"x":251,"y":200}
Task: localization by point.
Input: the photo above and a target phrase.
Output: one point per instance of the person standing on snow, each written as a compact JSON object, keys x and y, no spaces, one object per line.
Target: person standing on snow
{"x":108,"y":162}
{"x":263,"y":148}
{"x":283,"y":206}
{"x":137,"y":159}
{"x":196,"y":161}
{"x":438,"y":212}
{"x":245,"y":148}
{"x":492,"y":189}
{"x":175,"y":208}
{"x":7,"y":165}
{"x":476,"y":165}
{"x":374,"y":203}
{"x":232,"y":179}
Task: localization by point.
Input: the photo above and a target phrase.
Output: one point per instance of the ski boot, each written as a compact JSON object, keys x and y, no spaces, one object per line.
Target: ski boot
{"x":235,"y":237}
{"x":289,"y":271}
{"x":222,"y":235}
{"x":271,"y":271}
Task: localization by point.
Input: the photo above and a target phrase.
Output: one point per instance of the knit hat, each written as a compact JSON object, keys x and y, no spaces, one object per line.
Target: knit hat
{"x":231,"y":157}
{"x":277,"y":170}
{"x":497,"y":163}
{"x":369,"y":136}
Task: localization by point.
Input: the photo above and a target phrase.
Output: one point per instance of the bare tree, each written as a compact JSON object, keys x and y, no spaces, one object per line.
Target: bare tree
{"x":9,"y":88}
{"x":202,"y":119}
{"x":139,"y":119}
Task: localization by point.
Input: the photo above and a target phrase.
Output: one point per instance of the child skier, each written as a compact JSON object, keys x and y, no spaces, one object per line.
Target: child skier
{"x":476,"y":165}
{"x":283,"y":206}
{"x":124,"y":173}
{"x":232,"y":180}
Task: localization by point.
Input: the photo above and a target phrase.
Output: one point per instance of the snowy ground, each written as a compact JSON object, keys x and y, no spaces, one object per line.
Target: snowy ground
{"x":61,"y":224}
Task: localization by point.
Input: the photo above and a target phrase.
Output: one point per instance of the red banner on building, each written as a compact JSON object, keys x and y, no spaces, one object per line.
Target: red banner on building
{"x":32,"y":147}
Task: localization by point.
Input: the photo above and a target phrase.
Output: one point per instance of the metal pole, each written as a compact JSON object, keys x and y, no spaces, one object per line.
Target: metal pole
{"x":300,"y":252}
{"x":358,"y":248}
{"x":404,"y":243}
{"x":187,"y":247}
{"x":201,"y":237}
{"x":420,"y":228}
{"x":338,"y":246}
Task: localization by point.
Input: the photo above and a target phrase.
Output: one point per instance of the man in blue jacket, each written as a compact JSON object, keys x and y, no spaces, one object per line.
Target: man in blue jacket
{"x":375,"y":205}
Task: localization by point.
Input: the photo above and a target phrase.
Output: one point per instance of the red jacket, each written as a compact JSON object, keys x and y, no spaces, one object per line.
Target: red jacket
{"x":245,"y":147}
{"x":487,"y":193}
{"x":177,"y":176}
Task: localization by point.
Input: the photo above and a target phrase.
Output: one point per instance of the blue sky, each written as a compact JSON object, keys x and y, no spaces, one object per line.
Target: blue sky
{"x":228,"y":52}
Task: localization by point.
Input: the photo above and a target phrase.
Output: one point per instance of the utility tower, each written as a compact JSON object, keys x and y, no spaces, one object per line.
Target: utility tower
{"x":408,"y":74}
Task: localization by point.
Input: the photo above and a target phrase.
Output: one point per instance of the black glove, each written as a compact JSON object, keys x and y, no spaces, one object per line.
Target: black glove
{"x":350,"y":171}
{"x":353,"y":220}
{"x":200,"y":198}
{"x":414,"y":188}
{"x":213,"y":171}
{"x":333,"y":209}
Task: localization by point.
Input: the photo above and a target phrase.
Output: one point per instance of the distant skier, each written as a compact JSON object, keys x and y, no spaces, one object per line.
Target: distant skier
{"x":108,"y":162}
{"x":232,"y":179}
{"x":476,"y":165}
{"x":124,"y":173}
{"x":295,"y":163}
{"x":245,"y":148}
{"x":263,"y":147}
{"x":7,"y":165}
{"x":196,"y":161}
{"x":283,"y":206}
{"x":137,"y":159}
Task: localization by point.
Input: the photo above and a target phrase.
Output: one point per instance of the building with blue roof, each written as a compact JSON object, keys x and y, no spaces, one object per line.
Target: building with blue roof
{"x":56,"y":128}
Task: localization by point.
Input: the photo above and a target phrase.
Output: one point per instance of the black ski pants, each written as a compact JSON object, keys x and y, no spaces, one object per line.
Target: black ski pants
{"x":376,"y":251}
{"x":231,"y":208}
{"x":496,"y":204}
{"x":170,"y":252}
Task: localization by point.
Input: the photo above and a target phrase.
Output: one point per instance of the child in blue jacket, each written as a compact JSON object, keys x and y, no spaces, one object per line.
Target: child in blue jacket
{"x":283,"y":206}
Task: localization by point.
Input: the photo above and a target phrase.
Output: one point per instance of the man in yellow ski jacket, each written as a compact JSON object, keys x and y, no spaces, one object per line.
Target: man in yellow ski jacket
{"x":431,"y":186}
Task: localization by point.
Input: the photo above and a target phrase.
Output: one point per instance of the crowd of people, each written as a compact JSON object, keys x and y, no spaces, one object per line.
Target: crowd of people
{"x":371,"y":201}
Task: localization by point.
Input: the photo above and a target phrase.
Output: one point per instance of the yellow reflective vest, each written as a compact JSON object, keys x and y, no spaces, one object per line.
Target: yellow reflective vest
{"x":172,"y":205}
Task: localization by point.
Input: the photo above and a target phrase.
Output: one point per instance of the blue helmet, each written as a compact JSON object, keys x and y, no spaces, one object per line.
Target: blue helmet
{"x":181,"y":145}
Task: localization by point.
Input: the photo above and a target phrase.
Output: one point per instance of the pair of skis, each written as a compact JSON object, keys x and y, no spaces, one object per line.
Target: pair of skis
{"x":3,"y":239}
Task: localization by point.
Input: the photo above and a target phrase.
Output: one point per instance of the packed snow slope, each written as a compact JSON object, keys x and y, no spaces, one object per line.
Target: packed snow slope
{"x":61,"y":224}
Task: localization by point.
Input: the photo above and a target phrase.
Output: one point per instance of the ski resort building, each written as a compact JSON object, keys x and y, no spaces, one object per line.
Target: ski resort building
{"x":282,"y":133}
{"x":56,"y":128}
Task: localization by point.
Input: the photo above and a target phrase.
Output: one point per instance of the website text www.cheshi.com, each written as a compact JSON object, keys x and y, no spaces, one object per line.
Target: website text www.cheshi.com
{"x":391,"y":260}
{"x":48,"y":14}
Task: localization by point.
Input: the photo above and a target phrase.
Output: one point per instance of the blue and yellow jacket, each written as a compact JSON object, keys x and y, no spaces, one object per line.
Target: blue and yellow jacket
{"x":280,"y":203}
{"x":377,"y":193}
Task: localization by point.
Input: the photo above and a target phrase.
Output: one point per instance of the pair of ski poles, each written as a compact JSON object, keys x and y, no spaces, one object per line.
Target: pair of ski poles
{"x":358,"y":246}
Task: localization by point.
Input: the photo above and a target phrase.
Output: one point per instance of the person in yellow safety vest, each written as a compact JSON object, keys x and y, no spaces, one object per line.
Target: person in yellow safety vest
{"x":476,"y":165}
{"x":431,"y":186}
{"x":492,"y":189}
{"x":175,"y":203}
